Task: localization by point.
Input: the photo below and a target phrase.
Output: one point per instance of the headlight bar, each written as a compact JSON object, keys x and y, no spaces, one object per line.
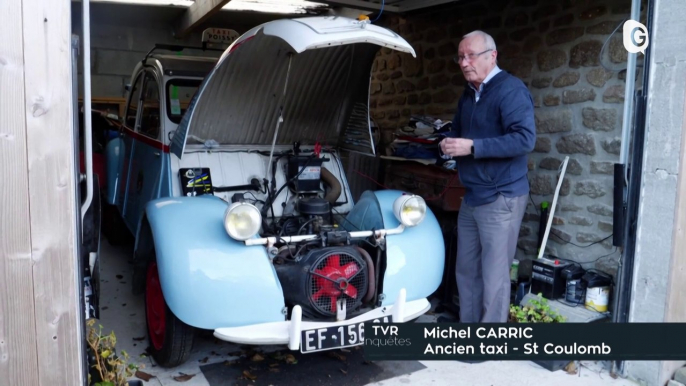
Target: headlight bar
{"x":294,"y":239}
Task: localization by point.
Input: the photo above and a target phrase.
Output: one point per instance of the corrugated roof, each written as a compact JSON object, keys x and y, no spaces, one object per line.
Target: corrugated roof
{"x":299,"y":6}
{"x":390,"y":6}
{"x":267,"y":6}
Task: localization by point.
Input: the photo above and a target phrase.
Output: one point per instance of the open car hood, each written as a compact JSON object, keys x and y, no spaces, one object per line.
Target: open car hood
{"x":314,"y":73}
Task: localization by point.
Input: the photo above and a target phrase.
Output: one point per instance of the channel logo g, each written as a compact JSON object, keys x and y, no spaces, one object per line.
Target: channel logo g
{"x":635,"y":37}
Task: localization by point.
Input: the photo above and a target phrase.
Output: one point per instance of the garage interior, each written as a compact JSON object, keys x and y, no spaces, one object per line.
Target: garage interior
{"x":570,"y":55}
{"x":566,"y":53}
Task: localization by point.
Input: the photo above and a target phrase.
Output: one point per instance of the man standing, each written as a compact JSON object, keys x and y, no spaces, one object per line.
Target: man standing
{"x":493,"y":131}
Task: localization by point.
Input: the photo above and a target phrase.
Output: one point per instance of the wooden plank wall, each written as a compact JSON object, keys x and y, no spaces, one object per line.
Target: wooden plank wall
{"x":18,"y":355}
{"x":40,"y":321}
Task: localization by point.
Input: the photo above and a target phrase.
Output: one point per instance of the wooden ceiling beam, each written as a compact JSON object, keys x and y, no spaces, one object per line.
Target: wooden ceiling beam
{"x":197,"y":13}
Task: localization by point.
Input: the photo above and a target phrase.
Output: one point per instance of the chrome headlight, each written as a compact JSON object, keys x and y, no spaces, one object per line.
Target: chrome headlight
{"x":409,"y":209}
{"x":242,"y":220}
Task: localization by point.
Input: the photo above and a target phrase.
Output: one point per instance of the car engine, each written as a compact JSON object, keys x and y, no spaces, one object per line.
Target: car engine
{"x":327,"y":276}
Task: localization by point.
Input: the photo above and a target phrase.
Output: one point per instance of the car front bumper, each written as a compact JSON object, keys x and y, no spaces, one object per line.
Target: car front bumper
{"x":289,"y":332}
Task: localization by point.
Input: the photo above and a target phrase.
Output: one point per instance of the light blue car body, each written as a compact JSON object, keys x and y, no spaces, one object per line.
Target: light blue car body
{"x":210,"y":280}
{"x":414,"y":258}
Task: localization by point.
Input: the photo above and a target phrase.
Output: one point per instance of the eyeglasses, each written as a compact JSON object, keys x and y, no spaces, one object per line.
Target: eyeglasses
{"x":458,"y":59}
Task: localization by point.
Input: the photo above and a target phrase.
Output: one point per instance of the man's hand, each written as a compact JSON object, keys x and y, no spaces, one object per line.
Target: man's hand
{"x":456,"y":147}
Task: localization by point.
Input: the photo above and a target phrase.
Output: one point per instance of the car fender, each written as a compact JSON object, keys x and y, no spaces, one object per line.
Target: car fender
{"x":415,"y":258}
{"x":210,"y":280}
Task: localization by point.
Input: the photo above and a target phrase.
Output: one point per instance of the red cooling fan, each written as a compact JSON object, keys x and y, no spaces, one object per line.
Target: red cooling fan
{"x":333,"y":279}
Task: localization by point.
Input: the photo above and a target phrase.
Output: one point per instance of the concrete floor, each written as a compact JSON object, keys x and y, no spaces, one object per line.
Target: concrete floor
{"x":124,"y":314}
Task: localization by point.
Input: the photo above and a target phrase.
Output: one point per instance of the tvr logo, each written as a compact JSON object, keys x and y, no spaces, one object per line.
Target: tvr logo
{"x":635,"y":37}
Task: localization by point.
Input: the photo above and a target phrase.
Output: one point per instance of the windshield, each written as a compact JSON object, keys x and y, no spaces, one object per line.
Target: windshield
{"x":179,"y":95}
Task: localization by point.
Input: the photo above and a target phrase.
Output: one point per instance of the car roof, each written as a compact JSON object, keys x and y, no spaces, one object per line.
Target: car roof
{"x":191,"y":66}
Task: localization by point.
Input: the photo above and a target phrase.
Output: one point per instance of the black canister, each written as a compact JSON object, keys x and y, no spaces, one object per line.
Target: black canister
{"x":574,"y":292}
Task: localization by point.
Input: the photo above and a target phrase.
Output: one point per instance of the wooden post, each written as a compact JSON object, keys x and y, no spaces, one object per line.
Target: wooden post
{"x":675,"y":311}
{"x":40,"y":318}
{"x":18,"y":354}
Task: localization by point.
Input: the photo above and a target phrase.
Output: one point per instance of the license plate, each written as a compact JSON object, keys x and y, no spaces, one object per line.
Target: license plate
{"x":329,"y":338}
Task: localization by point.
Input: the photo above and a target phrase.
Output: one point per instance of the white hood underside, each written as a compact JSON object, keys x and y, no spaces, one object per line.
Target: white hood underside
{"x":314,"y":72}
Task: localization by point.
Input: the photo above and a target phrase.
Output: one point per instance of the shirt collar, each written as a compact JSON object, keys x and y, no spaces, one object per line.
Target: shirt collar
{"x":490,"y":76}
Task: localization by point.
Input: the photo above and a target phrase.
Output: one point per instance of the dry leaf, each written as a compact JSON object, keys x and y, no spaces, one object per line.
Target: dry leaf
{"x":144,"y":376}
{"x":257,"y":358}
{"x":338,"y":356}
{"x":613,"y":375}
{"x":229,"y":363}
{"x":344,"y":372}
{"x":183,"y":377}
{"x":571,"y":368}
{"x":273,"y":365}
{"x":274,"y":370}
{"x":290,"y":359}
{"x":204,"y":360}
{"x":247,"y":374}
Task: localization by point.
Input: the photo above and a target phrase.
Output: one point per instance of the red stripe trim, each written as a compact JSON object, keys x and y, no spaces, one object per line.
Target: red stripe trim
{"x":236,"y":45}
{"x":146,"y":140}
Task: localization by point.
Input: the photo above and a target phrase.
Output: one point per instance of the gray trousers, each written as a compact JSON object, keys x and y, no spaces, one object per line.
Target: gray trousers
{"x":486,"y":246}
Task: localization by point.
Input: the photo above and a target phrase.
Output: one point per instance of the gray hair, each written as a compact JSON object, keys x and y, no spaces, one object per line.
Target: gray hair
{"x":488,"y":39}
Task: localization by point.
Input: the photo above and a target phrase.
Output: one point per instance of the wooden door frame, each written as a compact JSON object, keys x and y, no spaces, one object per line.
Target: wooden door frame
{"x":41,"y":325}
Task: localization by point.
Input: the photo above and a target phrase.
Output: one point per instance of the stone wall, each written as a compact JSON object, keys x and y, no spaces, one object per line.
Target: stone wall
{"x":554,"y":47}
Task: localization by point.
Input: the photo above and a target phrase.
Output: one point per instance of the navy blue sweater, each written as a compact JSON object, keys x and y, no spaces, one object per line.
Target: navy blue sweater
{"x":503,"y":128}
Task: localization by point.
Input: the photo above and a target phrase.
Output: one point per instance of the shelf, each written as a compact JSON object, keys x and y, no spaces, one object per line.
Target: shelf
{"x":578,"y":314}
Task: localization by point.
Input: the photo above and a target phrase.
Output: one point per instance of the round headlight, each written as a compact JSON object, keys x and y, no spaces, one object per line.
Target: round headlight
{"x":242,"y":220}
{"x":409,"y":210}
